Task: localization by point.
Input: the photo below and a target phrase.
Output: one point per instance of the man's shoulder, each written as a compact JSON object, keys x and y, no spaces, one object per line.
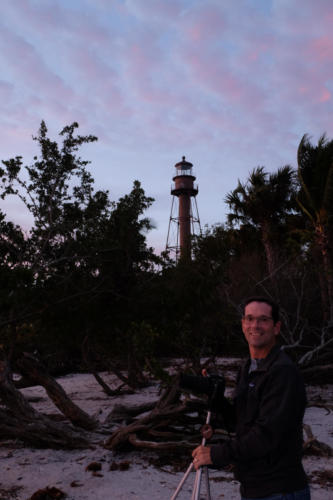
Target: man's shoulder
{"x":278,"y":361}
{"x":283,"y":364}
{"x":282,"y":358}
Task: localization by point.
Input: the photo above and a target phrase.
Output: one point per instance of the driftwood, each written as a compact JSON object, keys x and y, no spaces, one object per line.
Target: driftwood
{"x":167,"y":405}
{"x":122,"y":413}
{"x":31,"y":368}
{"x":168,"y":419}
{"x":135,"y":379}
{"x":319,"y":404}
{"x":107,"y":389}
{"x":312,"y":446}
{"x":315,"y":369}
{"x":23,"y":382}
{"x":85,"y":349}
{"x":161,"y":446}
{"x":172,"y":426}
{"x":19,"y":420}
{"x":318,"y":374}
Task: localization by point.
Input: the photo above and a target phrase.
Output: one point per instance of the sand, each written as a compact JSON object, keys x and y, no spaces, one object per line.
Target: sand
{"x":24,"y":470}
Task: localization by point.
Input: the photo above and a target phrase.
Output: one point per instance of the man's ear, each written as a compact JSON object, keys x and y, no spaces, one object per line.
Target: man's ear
{"x":277,"y":327}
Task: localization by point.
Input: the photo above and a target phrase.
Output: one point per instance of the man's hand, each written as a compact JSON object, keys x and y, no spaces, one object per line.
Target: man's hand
{"x":206,"y":431}
{"x":201,"y":456}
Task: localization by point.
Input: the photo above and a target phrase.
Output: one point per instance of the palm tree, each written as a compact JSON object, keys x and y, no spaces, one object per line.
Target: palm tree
{"x":315,"y":173}
{"x":264,"y":202}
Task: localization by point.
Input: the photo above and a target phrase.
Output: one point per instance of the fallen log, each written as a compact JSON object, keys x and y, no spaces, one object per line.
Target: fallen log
{"x":318,"y":404}
{"x":312,"y":446}
{"x":168,"y":413}
{"x":107,"y":389}
{"x":161,"y":446}
{"x":19,"y":420}
{"x":121,"y":412}
{"x":40,"y":432}
{"x":31,"y":368}
{"x":23,"y":383}
{"x":168,"y":405}
{"x":85,"y":349}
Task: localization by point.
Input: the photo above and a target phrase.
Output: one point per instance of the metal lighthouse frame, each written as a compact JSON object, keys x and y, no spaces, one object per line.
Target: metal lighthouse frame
{"x":184,"y":219}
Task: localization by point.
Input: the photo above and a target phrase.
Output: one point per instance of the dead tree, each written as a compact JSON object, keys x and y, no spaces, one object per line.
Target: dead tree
{"x":122,"y":413}
{"x":31,"y":368}
{"x":19,"y":420}
{"x":85,"y":349}
{"x":312,"y":446}
{"x":161,"y":424}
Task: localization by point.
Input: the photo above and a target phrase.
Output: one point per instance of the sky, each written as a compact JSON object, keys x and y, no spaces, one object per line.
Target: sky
{"x":231,"y":85}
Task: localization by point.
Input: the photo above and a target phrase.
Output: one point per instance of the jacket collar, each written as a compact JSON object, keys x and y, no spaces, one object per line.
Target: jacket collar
{"x":266,"y":362}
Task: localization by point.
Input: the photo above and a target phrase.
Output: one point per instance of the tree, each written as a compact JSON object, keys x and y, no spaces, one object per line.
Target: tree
{"x":57,"y":190}
{"x":125,"y":269}
{"x":315,"y":198}
{"x":192,"y":310}
{"x":265,"y":202}
{"x":266,"y":212}
{"x":81,"y":269}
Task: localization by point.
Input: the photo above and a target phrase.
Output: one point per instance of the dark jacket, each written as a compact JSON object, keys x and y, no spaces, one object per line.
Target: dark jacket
{"x":266,"y":414}
{"x":268,"y":409}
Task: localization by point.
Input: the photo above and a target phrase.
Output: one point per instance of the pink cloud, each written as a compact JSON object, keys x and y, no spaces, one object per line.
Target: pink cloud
{"x":98,"y":80}
{"x":28,"y":66}
{"x":215,"y":74}
{"x":55,"y":19}
{"x":145,"y":70}
{"x":255,"y":47}
{"x":325,"y":96}
{"x":169,"y":72}
{"x":302,"y":73}
{"x":205,"y":23}
{"x":322,"y":48}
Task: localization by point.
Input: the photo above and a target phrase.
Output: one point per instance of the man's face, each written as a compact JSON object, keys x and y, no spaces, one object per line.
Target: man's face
{"x":259,"y":328}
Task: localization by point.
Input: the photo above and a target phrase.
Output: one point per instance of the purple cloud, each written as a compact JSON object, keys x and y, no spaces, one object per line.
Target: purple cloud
{"x":232,"y":85}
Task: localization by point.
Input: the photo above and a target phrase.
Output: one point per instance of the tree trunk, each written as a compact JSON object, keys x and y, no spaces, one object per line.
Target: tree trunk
{"x":33,"y":369}
{"x":322,"y":241}
{"x":85,"y":349}
{"x":19,"y":420}
{"x":271,"y":256}
{"x":136,"y":378}
{"x":122,"y":413}
{"x":167,"y":406}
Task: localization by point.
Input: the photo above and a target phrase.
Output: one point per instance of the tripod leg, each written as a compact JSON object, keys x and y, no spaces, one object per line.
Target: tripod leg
{"x":197,"y":484}
{"x":176,"y":493}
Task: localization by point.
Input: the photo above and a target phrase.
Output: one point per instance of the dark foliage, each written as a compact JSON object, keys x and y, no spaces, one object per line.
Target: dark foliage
{"x":84,"y":272}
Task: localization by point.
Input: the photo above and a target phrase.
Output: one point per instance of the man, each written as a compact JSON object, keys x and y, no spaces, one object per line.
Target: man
{"x":267,"y":411}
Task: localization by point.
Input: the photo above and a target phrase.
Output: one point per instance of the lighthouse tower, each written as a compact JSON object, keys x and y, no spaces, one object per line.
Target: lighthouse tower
{"x":184,"y":217}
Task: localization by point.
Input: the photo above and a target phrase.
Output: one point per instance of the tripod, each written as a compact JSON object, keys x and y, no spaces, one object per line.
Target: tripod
{"x":197,"y":481}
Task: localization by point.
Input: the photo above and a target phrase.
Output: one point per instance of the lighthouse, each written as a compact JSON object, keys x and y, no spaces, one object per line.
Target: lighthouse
{"x":184,"y":217}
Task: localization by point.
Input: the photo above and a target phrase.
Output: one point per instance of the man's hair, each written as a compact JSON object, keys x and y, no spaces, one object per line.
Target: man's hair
{"x":266,"y":300}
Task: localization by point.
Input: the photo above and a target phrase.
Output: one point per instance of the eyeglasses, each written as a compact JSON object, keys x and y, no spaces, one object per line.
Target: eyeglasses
{"x":261,"y":320}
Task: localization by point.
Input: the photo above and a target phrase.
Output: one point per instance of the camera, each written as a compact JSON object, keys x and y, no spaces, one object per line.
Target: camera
{"x":212,"y":386}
